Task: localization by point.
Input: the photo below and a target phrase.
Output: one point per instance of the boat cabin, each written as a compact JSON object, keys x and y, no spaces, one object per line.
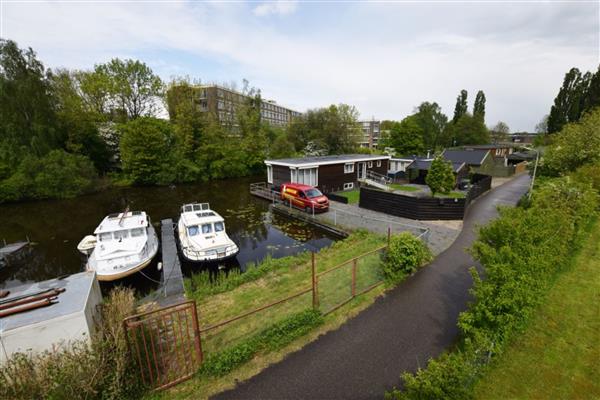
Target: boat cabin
{"x":119,"y":226}
{"x":199,"y":219}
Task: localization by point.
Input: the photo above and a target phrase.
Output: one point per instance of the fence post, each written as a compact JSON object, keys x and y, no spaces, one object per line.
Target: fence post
{"x":197,"y":337}
{"x":315,"y":295}
{"x":389,"y":235}
{"x":354,"y":262}
{"x":335,"y":217}
{"x":313,"y":207}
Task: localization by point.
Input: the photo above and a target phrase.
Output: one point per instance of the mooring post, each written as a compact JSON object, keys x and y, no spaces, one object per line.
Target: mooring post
{"x":315,"y":297}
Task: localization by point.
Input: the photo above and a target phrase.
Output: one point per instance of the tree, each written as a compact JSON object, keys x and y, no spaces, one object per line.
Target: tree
{"x":467,"y":131}
{"x":542,"y":126}
{"x":569,"y":103}
{"x":440,"y":177}
{"x":479,"y":106}
{"x":461,"y":107}
{"x":406,"y":137}
{"x":592,"y":98}
{"x":575,"y":145}
{"x":145,"y":150}
{"x":500,"y":132}
{"x":133,"y":88}
{"x":432,"y":121}
{"x":27,"y":114}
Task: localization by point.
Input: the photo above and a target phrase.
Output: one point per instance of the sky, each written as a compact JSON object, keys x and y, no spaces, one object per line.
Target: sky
{"x":384,"y":57}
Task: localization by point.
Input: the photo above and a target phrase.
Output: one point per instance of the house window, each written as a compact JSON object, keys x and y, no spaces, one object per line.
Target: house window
{"x":370,"y":164}
{"x":306,"y":176}
{"x":348,"y":168}
{"x":348,"y":186}
{"x":378,"y":163}
{"x":270,"y":174}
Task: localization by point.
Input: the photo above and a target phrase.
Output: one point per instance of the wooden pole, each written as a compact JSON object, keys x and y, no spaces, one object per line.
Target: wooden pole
{"x":389,"y":236}
{"x":354,"y":262}
{"x":315,"y":297}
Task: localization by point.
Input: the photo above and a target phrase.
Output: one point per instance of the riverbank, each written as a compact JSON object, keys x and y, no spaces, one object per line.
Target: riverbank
{"x":557,"y":356}
{"x":225,"y":298}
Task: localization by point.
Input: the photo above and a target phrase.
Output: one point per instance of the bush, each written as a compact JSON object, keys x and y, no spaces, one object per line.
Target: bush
{"x":57,"y":175}
{"x":102,"y":369}
{"x":522,"y":252}
{"x":404,"y":256}
{"x":440,"y":177}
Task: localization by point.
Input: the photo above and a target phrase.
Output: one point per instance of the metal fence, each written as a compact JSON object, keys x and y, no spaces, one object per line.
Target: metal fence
{"x":165,"y":344}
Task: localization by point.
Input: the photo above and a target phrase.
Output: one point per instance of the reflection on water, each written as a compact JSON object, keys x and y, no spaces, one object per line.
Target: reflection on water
{"x":58,"y":225}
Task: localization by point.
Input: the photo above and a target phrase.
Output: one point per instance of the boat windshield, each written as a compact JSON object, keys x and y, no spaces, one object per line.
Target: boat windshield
{"x":120,"y":235}
{"x":206,"y":228}
{"x":193,"y":230}
{"x":137,"y":232}
{"x":105,"y":237}
{"x":313,"y":193}
{"x":219,"y":227}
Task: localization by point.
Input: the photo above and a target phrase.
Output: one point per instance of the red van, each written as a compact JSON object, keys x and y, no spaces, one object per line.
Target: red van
{"x":304,"y":196}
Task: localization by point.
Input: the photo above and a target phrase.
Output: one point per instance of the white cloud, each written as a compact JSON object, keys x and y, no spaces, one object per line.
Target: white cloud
{"x":385,"y":60}
{"x":280,"y":7}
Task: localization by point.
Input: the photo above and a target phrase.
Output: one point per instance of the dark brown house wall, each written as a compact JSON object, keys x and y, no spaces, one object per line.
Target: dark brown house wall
{"x":280,"y":175}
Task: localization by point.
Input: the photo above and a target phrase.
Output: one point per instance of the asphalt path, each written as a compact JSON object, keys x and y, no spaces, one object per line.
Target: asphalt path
{"x":399,"y":332}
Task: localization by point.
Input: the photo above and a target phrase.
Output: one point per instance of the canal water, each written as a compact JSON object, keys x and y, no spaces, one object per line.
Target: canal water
{"x":57,"y":226}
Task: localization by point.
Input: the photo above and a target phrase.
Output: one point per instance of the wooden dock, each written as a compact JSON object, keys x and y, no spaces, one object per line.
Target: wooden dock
{"x":262,"y":190}
{"x":308,"y":218}
{"x":171,"y":278}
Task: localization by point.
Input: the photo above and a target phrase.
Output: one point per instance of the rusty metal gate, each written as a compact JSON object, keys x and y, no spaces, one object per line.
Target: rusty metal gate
{"x":165,"y":343}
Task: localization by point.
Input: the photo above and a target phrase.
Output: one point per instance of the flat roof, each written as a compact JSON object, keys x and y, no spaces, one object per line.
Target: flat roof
{"x":324,"y":160}
{"x":72,"y":300}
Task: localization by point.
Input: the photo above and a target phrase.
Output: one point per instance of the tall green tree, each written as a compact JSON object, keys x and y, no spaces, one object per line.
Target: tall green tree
{"x":468,"y":130}
{"x":146,"y":151}
{"x":133,"y":89}
{"x":27,"y":107}
{"x":592,"y":97}
{"x":569,"y":103}
{"x":432,"y":121}
{"x":461,"y":106}
{"x":440,"y":177}
{"x":406,"y":137}
{"x":479,"y":106}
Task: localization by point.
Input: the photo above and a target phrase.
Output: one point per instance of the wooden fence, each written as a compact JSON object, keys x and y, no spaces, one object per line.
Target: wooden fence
{"x":423,"y":208}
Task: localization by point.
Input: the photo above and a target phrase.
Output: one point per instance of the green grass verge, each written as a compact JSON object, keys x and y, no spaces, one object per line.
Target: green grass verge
{"x":450,"y":195}
{"x":557,"y":357}
{"x":351,"y":195}
{"x":405,"y":188}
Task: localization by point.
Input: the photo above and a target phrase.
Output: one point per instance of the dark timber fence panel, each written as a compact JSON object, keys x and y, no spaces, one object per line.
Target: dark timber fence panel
{"x":423,"y":208}
{"x":335,"y":197}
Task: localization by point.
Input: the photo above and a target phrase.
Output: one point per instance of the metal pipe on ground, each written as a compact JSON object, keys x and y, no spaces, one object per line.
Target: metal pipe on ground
{"x":29,"y":306}
{"x":31,"y":299}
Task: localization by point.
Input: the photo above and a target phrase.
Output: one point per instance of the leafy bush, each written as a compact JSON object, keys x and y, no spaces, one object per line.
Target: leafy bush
{"x":404,"y":256}
{"x":440,"y":177}
{"x":56,"y":175}
{"x":271,"y":339}
{"x":522,"y":251}
{"x":102,"y":369}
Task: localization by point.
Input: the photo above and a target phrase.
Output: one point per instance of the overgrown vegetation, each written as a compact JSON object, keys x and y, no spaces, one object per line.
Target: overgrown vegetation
{"x":273,"y":338}
{"x":404,"y":256}
{"x":101,"y":369}
{"x":522,"y":252}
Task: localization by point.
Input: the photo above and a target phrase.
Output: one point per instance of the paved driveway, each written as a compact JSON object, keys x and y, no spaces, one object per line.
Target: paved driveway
{"x":399,"y":332}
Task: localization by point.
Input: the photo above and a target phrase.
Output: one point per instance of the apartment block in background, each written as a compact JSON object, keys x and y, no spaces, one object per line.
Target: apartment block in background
{"x":370,"y":133}
{"x":223,"y":102}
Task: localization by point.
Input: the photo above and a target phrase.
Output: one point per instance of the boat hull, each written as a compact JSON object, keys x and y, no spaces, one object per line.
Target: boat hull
{"x":124,"y":274}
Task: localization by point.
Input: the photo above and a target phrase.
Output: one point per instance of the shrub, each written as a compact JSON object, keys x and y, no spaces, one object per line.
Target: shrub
{"x":440,"y":177}
{"x":404,"y":256}
{"x":56,"y":175}
{"x":102,"y":369}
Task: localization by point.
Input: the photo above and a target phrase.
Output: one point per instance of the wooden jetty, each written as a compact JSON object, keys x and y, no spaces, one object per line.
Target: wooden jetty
{"x":171,"y":278}
{"x":301,"y":215}
{"x":262,"y":190}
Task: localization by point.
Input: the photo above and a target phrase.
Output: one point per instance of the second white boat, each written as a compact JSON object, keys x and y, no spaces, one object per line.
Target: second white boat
{"x":202,"y":236}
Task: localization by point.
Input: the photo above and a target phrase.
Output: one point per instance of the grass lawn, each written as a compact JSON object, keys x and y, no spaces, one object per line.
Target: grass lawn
{"x":351,"y":195}
{"x":558,"y":357}
{"x":277,"y":284}
{"x":450,"y":195}
{"x":405,"y":188}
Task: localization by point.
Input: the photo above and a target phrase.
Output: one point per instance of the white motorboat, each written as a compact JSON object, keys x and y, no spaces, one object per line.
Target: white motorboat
{"x":122,"y":244}
{"x":202,"y":236}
